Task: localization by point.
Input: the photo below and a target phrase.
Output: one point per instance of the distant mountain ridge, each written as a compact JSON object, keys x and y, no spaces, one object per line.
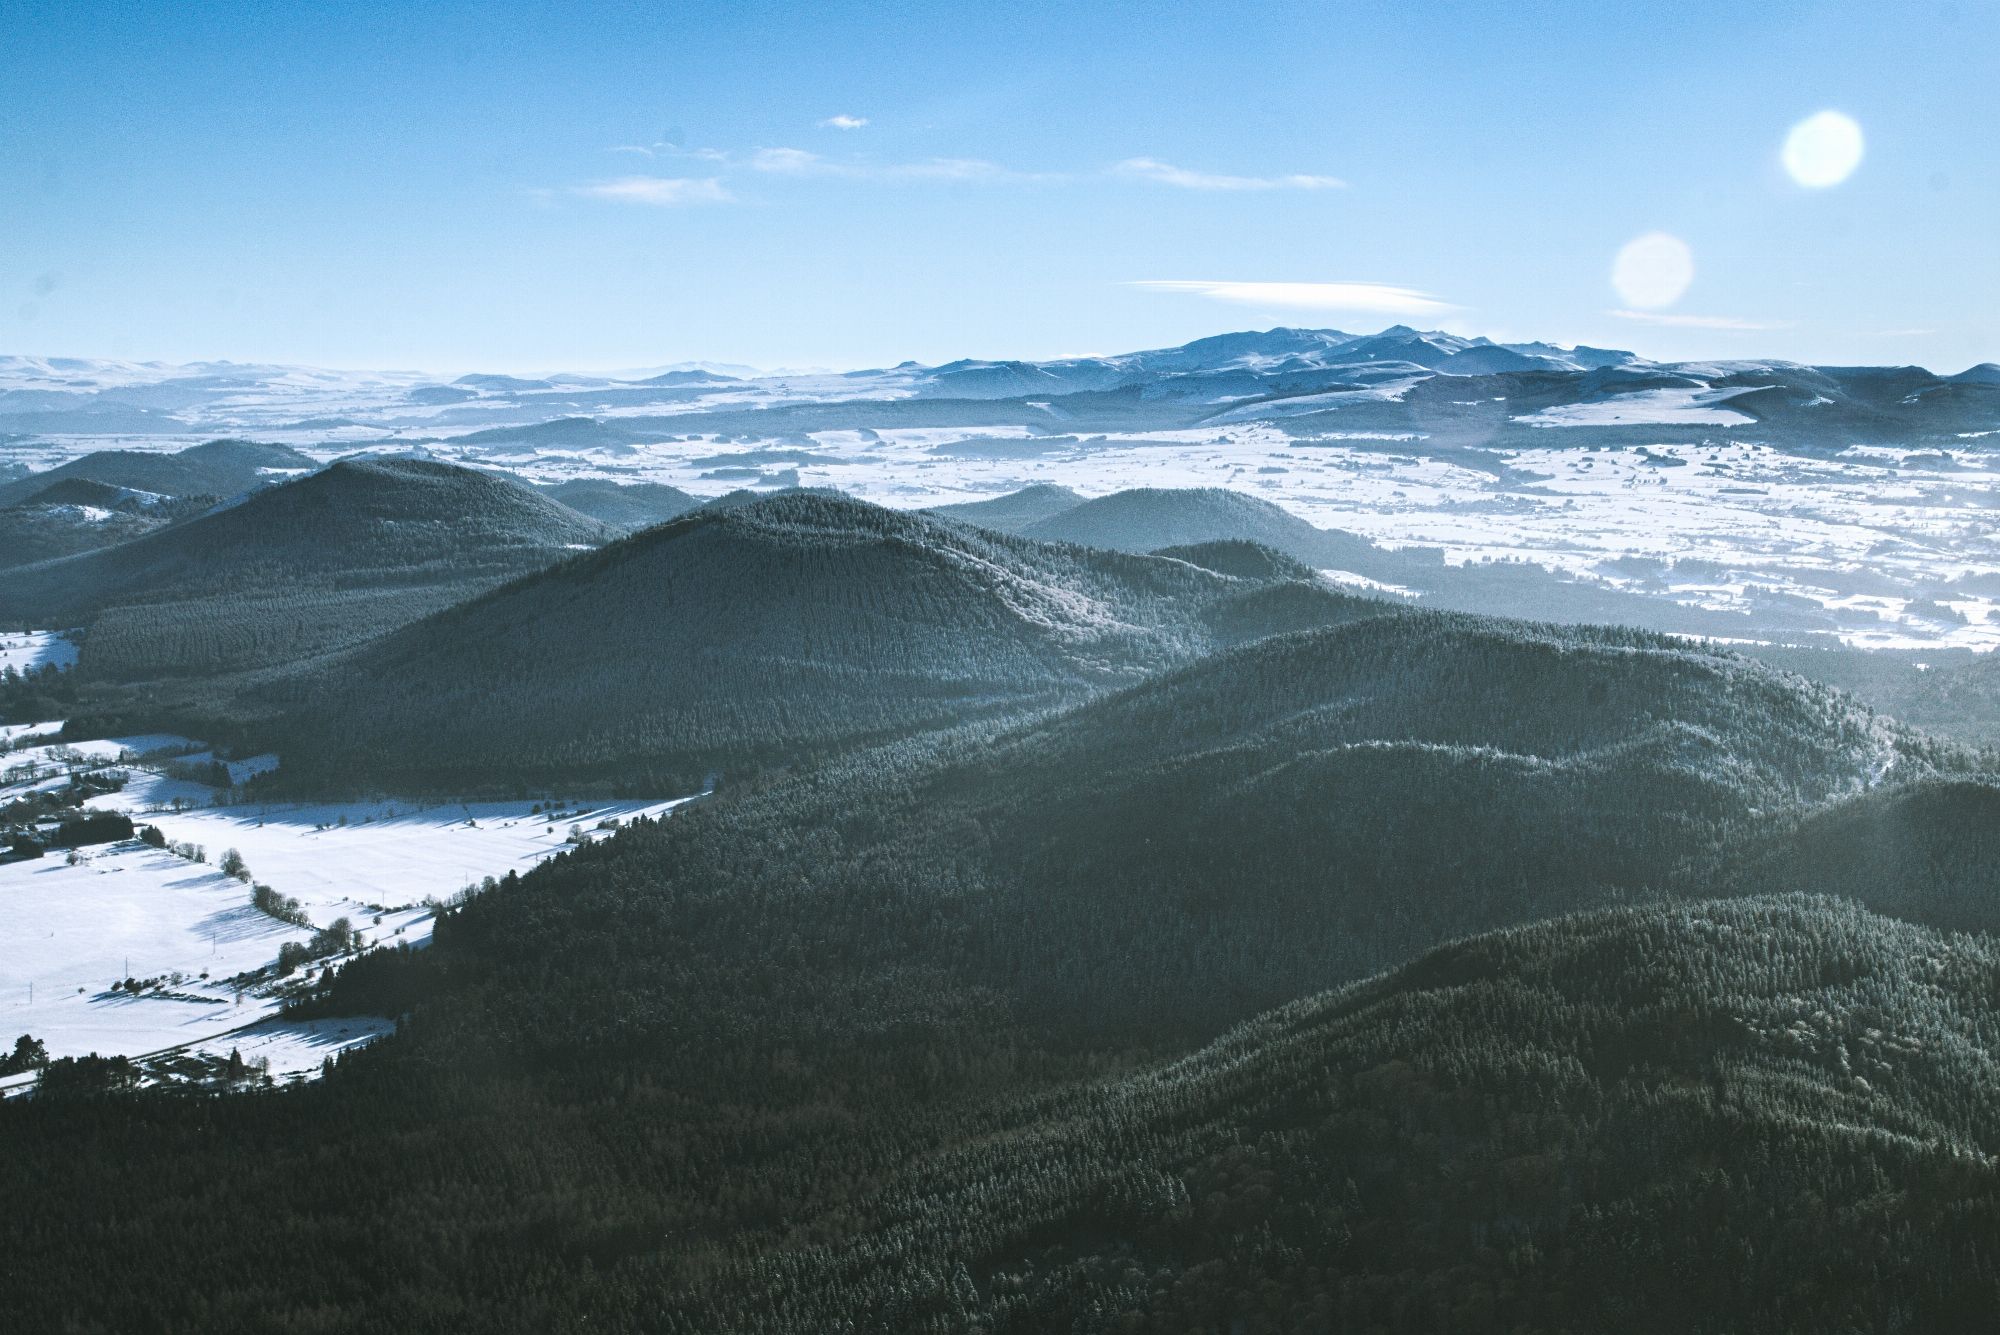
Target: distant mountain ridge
{"x":1450,"y":386}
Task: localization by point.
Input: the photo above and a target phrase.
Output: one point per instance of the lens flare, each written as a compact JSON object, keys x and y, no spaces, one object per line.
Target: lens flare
{"x":1823,"y":150}
{"x":1652,"y":271}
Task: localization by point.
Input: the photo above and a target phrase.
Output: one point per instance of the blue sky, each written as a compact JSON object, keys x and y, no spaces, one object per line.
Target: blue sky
{"x":537,"y":187}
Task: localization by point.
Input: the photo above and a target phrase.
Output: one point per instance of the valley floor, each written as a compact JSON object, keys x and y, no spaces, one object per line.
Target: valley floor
{"x":75,"y":931}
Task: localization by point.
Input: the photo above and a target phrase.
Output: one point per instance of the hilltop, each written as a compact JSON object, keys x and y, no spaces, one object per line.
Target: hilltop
{"x":623,"y":505}
{"x":1016,"y":510}
{"x":295,"y":570}
{"x":222,"y":468}
{"x":1297,"y":811}
{"x":754,"y":633}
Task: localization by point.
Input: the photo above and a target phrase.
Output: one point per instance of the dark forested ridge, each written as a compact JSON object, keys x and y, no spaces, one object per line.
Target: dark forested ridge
{"x":1761,"y":1115}
{"x":623,"y":505}
{"x":1014,"y":511}
{"x":296,"y":570}
{"x":1927,"y":850}
{"x":1284,"y":816}
{"x":219,"y":468}
{"x":391,"y":522}
{"x":1148,"y":518}
{"x":77,"y":515}
{"x":1768,"y":1115}
{"x":765,"y":633}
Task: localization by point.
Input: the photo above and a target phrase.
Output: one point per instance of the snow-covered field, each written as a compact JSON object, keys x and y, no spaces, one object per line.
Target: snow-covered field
{"x":1776,"y":524}
{"x":26,"y":650}
{"x":1745,"y":522}
{"x":70,"y":933}
{"x":289,"y":1050}
{"x":1648,"y":407}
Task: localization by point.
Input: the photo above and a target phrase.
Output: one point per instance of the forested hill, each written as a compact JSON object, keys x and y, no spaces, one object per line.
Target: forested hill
{"x":1549,"y":1129}
{"x":1927,"y":850}
{"x":219,"y":468}
{"x":1148,"y":518}
{"x":77,"y":515}
{"x":331,"y":559}
{"x":400,"y":521}
{"x":1280,"y":817}
{"x":766,"y":633}
{"x":623,"y":505}
{"x":1014,"y":511}
{"x":899,"y":1039}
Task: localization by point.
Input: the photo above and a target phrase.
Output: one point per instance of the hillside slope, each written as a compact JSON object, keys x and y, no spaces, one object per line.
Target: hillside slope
{"x":1015,"y":511}
{"x":297,"y":569}
{"x":1786,"y":1097}
{"x":759,"y":633}
{"x":1286,"y":815}
{"x":1149,"y":518}
{"x":1927,"y":850}
{"x":219,"y":468}
{"x":44,"y":531}
{"x":623,"y":505}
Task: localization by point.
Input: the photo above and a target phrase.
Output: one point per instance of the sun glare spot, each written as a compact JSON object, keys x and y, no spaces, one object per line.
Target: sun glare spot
{"x":1652,"y":271}
{"x":1823,"y":150}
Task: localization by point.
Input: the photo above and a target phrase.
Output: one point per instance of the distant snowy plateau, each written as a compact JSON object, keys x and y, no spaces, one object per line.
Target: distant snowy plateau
{"x":1864,"y":497}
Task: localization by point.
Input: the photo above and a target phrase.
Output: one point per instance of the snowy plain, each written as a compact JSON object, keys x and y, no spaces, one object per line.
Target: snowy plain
{"x":69,"y":933}
{"x":24,"y":651}
{"x":1692,"y":481}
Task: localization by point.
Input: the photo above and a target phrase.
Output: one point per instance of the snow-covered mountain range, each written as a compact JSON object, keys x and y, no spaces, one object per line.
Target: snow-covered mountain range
{"x":1437,"y":384}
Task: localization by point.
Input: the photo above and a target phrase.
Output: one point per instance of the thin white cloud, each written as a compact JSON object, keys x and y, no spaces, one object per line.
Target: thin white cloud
{"x":791,"y":162}
{"x":1369,"y":298}
{"x":843,"y":122}
{"x":1726,"y":323}
{"x":956,"y":169}
{"x":664,"y":149}
{"x":1165,"y":173}
{"x":659,"y":191}
{"x":800,"y":162}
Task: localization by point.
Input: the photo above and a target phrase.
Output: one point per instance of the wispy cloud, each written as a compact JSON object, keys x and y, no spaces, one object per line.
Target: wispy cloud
{"x":1725,"y":323}
{"x":1369,"y":298}
{"x":843,"y":122}
{"x":790,"y":162}
{"x":1897,"y":333}
{"x":800,"y":162}
{"x":668,"y":149}
{"x":1165,"y":173}
{"x":659,"y":191}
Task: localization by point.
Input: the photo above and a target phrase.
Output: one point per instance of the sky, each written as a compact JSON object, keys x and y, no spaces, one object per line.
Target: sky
{"x":526,"y":187}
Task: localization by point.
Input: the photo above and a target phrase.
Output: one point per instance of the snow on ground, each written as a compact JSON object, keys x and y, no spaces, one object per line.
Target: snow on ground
{"x":25,"y":650}
{"x":49,"y":764}
{"x":345,"y":858}
{"x":70,"y":933}
{"x":1647,"y":407}
{"x":1806,"y":526}
{"x":11,"y":733}
{"x":289,"y":1050}
{"x":1349,"y":580}
{"x":1811,"y":525}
